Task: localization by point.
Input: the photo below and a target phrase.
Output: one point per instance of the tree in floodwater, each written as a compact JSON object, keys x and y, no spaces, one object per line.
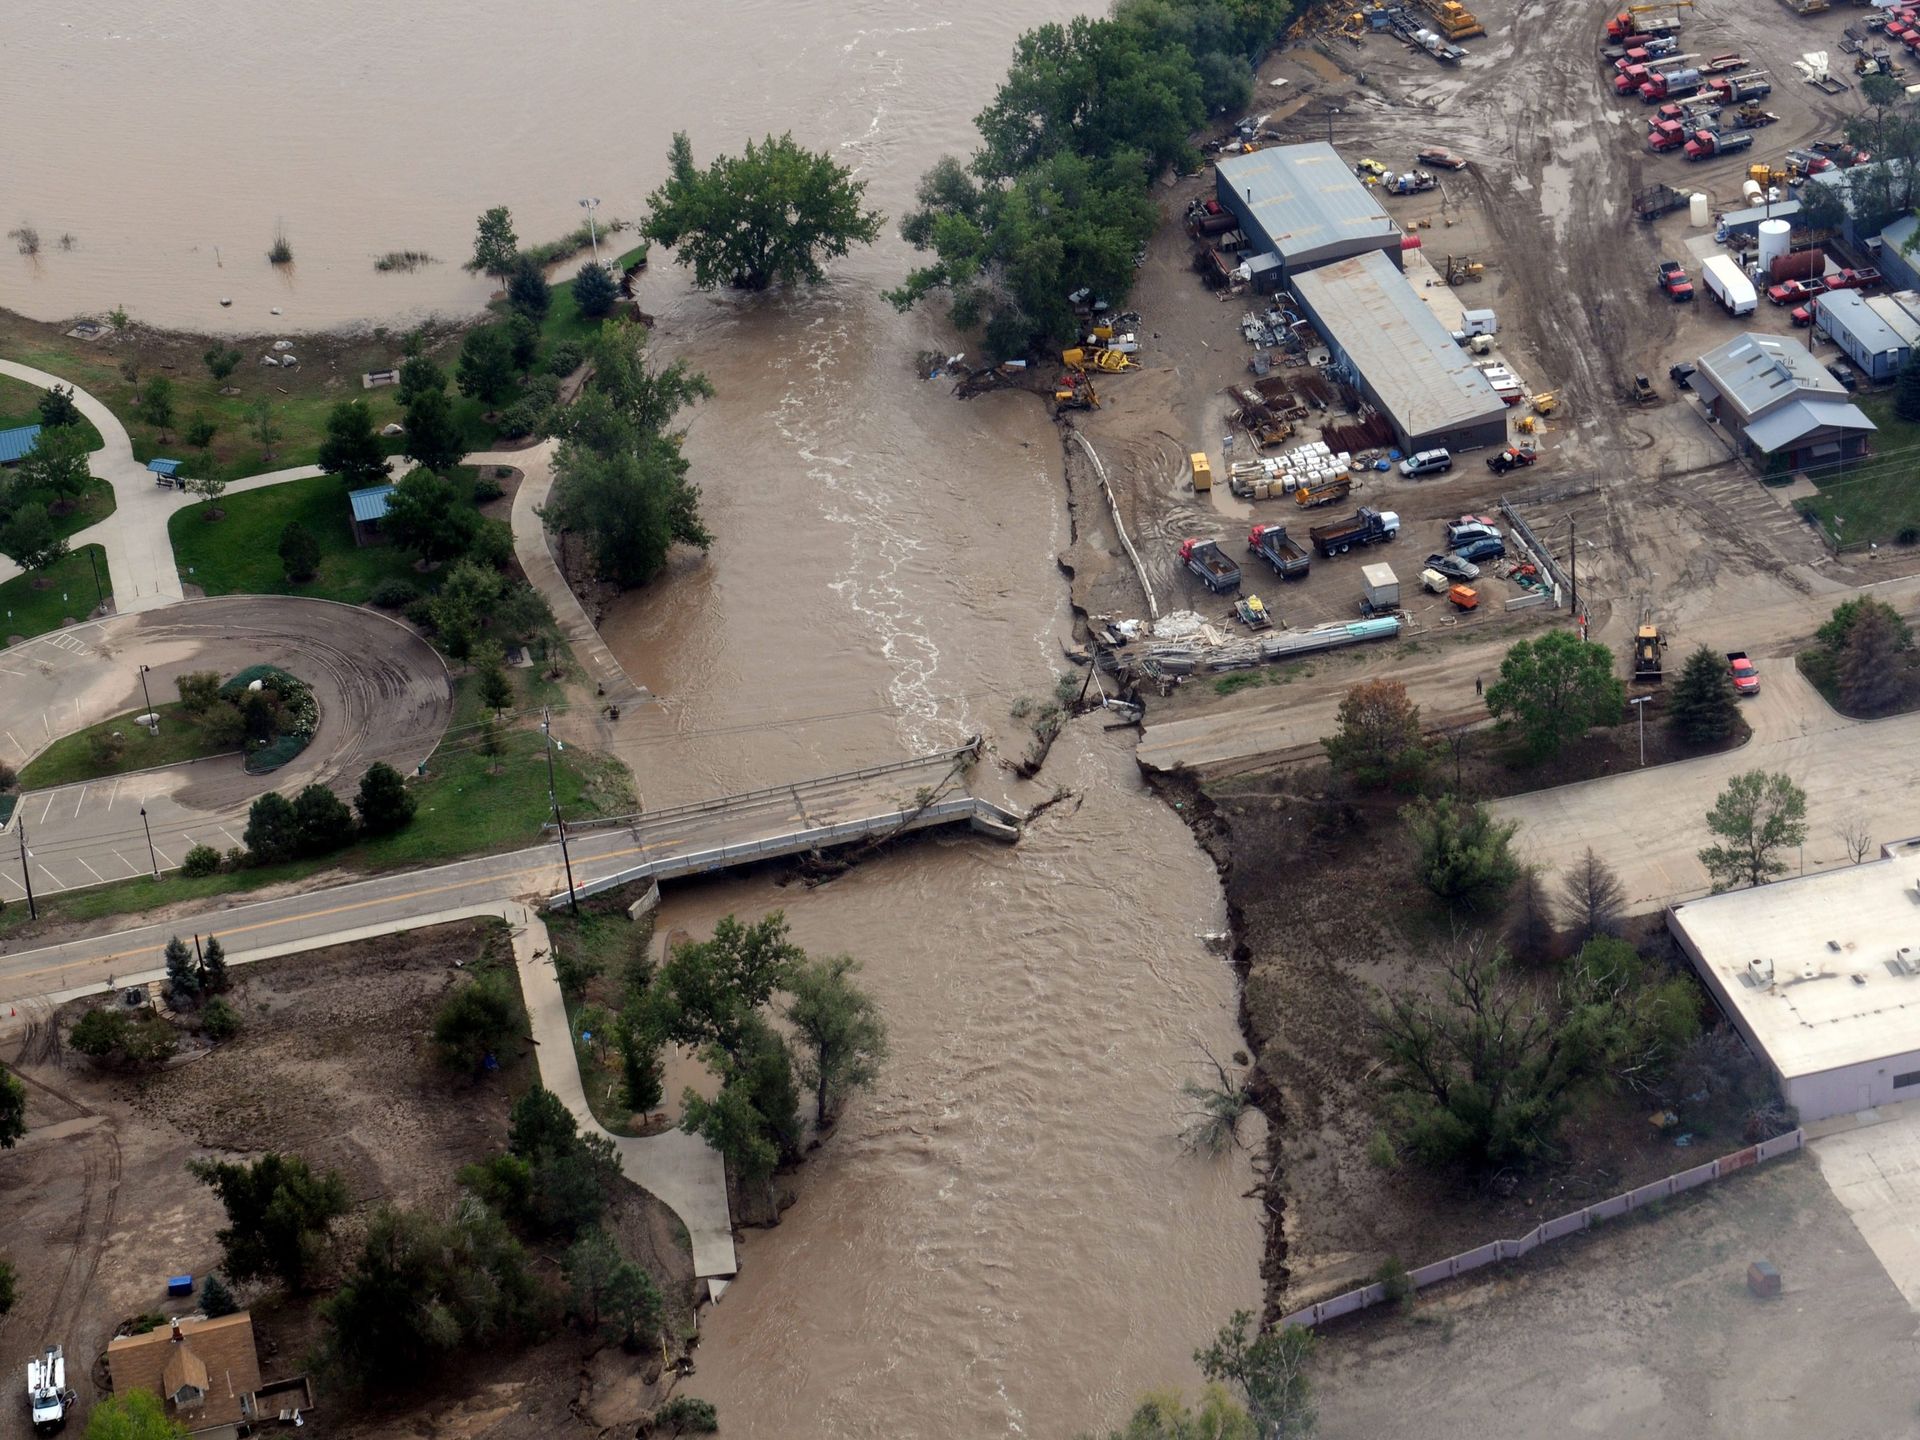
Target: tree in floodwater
{"x":1268,"y":1368}
{"x":769,"y":216}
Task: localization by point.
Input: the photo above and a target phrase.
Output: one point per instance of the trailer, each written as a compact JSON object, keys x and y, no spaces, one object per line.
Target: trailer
{"x":1331,"y":492}
{"x":1209,"y":562}
{"x":1290,"y":561}
{"x":1728,"y":284}
{"x":1658,"y":200}
{"x":1366,"y":526}
{"x":1379,"y":589}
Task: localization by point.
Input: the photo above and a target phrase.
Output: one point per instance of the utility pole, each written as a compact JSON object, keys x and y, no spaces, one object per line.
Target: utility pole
{"x":590,"y":204}
{"x":553,"y":798}
{"x":1573,"y":572}
{"x":26,"y":875}
{"x":147,"y":825}
{"x":154,"y":728}
{"x":99,"y":594}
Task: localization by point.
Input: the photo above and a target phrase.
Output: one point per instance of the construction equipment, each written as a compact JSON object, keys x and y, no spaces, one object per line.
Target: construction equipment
{"x":1202,"y":472}
{"x":1111,"y":361}
{"x":48,"y":1398}
{"x":1546,"y":402}
{"x":1643,"y":390}
{"x":1628,"y":20}
{"x":1333,"y":491}
{"x":1074,"y":391}
{"x":1453,"y":19}
{"x":1253,"y":614}
{"x":1209,"y":562}
{"x":1648,"y":642}
{"x":1272,"y":544}
{"x":1462,"y":270}
{"x":1464,"y":597}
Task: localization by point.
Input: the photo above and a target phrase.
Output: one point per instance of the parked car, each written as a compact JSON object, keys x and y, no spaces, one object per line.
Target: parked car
{"x":1487,"y":547}
{"x":1427,"y":462}
{"x":1682,"y":374}
{"x":1490,"y":521}
{"x":1746,"y":676}
{"x":1370,"y":168}
{"x":1460,"y":532}
{"x":1844,"y":374}
{"x":1453,"y":567}
{"x":1445,"y":159}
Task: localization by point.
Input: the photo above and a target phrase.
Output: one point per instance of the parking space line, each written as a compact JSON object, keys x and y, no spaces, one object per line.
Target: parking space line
{"x":13,"y":884}
{"x":49,"y":810}
{"x":16,"y":744}
{"x":112,"y":795}
{"x":91,"y":871}
{"x":132,"y":869}
{"x":229,"y":834}
{"x":79,"y":800}
{"x":50,"y":882}
{"x":163,"y":857}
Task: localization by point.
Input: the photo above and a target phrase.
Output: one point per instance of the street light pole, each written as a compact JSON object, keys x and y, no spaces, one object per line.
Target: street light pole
{"x":99,"y":595}
{"x":152,"y":859}
{"x":153,"y":727}
{"x":553,"y":798}
{"x":26,"y":875}
{"x":590,"y":204}
{"x":1573,"y":573}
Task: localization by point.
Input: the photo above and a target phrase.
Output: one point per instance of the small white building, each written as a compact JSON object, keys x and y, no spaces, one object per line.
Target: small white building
{"x":1821,"y":974}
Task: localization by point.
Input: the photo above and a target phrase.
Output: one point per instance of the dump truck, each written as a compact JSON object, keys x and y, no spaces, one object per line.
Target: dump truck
{"x":1746,"y":677}
{"x":1711,"y":144}
{"x":1207,"y":560}
{"x":1674,"y":282}
{"x":1647,"y":645}
{"x":1272,"y":544}
{"x":1329,"y":492}
{"x":1366,"y":526}
{"x":1666,"y":136}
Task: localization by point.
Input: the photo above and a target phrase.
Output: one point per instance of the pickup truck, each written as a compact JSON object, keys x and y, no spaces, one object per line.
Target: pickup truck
{"x":1365,"y":526}
{"x":1746,"y":679}
{"x":1674,"y":281}
{"x":1511,"y":458}
{"x":1271,"y":544}
{"x":1208,"y":561}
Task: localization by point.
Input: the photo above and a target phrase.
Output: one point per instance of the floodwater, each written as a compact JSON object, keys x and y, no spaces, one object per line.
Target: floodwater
{"x":1003,"y":1238}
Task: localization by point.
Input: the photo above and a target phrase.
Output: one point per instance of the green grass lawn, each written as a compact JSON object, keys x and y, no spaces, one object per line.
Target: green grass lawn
{"x":239,"y":553}
{"x":465,"y":808}
{"x":1884,"y":498}
{"x":20,"y":405}
{"x":33,"y":604}
{"x":71,"y":758}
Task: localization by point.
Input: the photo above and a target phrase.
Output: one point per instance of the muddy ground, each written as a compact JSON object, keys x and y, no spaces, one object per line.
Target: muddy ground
{"x":334,"y":1065}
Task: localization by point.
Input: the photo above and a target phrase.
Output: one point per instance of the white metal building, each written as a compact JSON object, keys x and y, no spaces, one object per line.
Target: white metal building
{"x":1821,"y":974}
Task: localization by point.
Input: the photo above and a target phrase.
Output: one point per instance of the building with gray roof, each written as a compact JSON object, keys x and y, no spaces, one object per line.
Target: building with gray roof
{"x":1776,"y":400}
{"x":1400,"y":356}
{"x":1304,"y":204}
{"x":1877,"y":332}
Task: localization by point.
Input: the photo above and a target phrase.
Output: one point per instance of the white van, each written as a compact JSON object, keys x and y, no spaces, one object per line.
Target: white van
{"x":1427,"y":462}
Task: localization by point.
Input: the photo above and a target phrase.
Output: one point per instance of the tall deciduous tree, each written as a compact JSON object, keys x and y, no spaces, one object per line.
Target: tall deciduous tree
{"x":426,"y":515}
{"x":494,"y":243}
{"x":1906,"y":394}
{"x":418,"y":374}
{"x":434,"y":440}
{"x":136,"y":1415}
{"x":769,"y":216}
{"x":278,"y":1215}
{"x":351,"y":450}
{"x":1552,"y":690}
{"x":1378,"y":742}
{"x":842,"y":1037}
{"x":30,"y":539}
{"x":1269,"y":1369}
{"x":265,"y":426}
{"x":156,"y":404}
{"x":57,"y":464}
{"x":222,"y":361}
{"x":1704,"y":708}
{"x":1756,"y":817}
{"x":709,"y":991}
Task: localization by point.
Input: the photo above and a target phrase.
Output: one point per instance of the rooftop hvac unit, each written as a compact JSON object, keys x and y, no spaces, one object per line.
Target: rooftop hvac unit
{"x":1760,"y":971}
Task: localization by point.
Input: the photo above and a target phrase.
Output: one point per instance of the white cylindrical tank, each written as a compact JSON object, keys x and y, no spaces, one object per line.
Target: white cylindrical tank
{"x":1776,"y":240}
{"x":1752,"y":192}
{"x":1699,"y":210}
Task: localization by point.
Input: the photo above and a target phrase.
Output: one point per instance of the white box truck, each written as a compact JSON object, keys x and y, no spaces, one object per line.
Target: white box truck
{"x":1729,"y":284}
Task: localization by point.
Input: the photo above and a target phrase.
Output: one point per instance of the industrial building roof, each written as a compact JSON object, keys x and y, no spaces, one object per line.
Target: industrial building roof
{"x":1306,"y":199}
{"x":1756,"y":372}
{"x":1872,"y":329}
{"x":370,"y":504}
{"x":1410,"y":361}
{"x":1788,"y":423}
{"x":18,"y":443}
{"x":1737,"y":221}
{"x":1844,"y":950}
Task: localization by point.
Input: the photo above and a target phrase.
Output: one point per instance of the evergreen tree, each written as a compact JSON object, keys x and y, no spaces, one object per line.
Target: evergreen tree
{"x":215,"y":978}
{"x":433,"y":435}
{"x":384,"y":802}
{"x":527,"y":289}
{"x":595,"y":291}
{"x":216,"y":1299}
{"x":1871,"y":675}
{"x":1704,"y":708}
{"x":351,"y":450}
{"x":299,"y":552}
{"x":183,"y":976}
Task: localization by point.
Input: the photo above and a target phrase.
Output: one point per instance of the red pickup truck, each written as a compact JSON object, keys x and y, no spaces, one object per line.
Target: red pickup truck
{"x":1746,"y":678}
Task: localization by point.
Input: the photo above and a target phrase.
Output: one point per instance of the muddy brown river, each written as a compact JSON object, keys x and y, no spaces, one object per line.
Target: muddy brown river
{"x":1003,"y":1238}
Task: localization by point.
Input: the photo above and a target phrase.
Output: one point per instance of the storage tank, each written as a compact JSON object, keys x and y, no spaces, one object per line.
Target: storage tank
{"x":1800,"y":265}
{"x":1754,"y":195}
{"x":1699,"y":210}
{"x":1776,"y":239}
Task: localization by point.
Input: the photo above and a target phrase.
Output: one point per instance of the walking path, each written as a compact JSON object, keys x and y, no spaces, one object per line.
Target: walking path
{"x":530,"y":548}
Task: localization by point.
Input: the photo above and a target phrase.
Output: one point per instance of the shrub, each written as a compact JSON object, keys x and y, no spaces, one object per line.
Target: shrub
{"x":9,"y":777}
{"x":395,"y":594}
{"x":683,"y":1415}
{"x":236,"y":858}
{"x":199,"y":690}
{"x":492,"y":543}
{"x":112,"y":1036}
{"x":216,"y":1299}
{"x":107,"y":747}
{"x":325,"y":823}
{"x":219,"y":1021}
{"x":201,"y":860}
{"x":476,"y":1021}
{"x":486,"y":488}
{"x":419,"y":612}
{"x":523,"y":418}
{"x":565,"y":358}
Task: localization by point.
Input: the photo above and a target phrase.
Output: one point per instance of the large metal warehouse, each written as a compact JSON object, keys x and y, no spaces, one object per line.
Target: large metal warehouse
{"x":1821,"y":974}
{"x":1302,"y":204}
{"x":1399,"y":355}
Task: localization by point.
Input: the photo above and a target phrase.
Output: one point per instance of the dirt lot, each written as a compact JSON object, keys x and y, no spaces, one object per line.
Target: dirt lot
{"x":1645,"y":1329}
{"x":333,"y":1066}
